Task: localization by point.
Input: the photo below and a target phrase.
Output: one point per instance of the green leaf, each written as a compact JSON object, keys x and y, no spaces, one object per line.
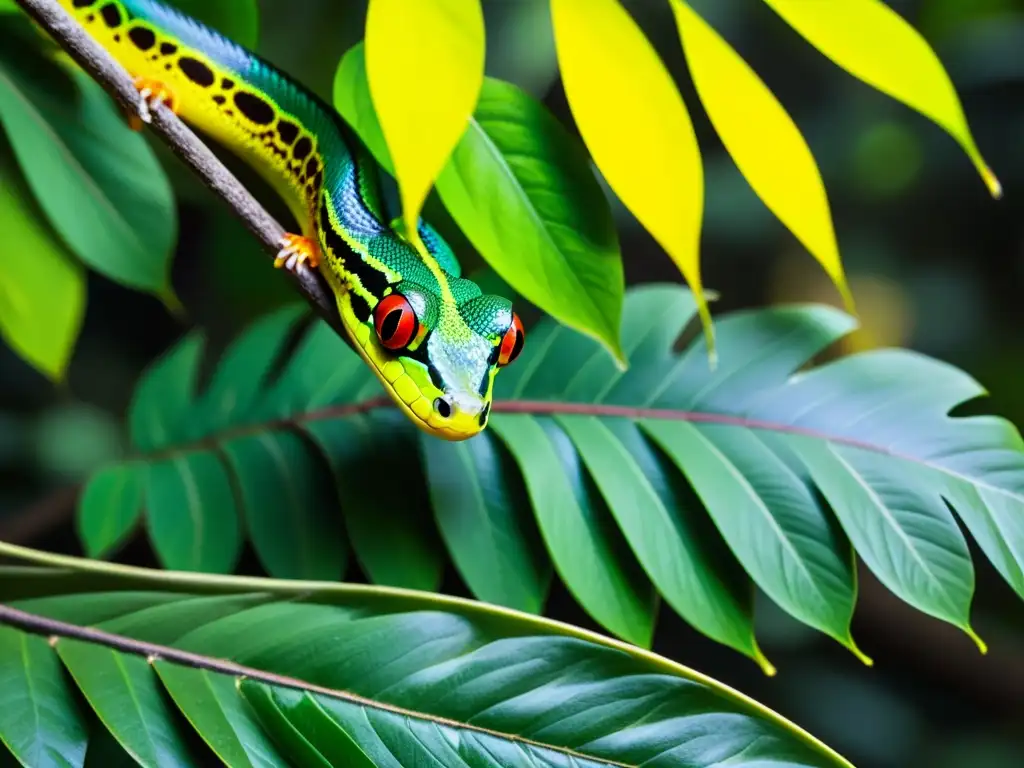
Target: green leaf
{"x":622,"y":96}
{"x":98,"y":181}
{"x":39,"y":721}
{"x":124,"y":692}
{"x":158,"y":413}
{"x":391,"y":534}
{"x":238,"y":20}
{"x":771,"y":520}
{"x":110,"y":506}
{"x":680,"y":558}
{"x":875,"y":44}
{"x":42,"y":289}
{"x":219,"y":715}
{"x":905,"y":533}
{"x":699,"y":483}
{"x":191,"y":513}
{"x":484,"y":516}
{"x":306,"y":724}
{"x":274,"y":672}
{"x":282,"y":471}
{"x":424,"y":65}
{"x":523,"y":192}
{"x":578,"y":529}
{"x":762,"y":139}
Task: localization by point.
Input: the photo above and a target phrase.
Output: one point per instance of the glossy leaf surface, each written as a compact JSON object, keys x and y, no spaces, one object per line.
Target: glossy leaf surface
{"x":345,"y":675}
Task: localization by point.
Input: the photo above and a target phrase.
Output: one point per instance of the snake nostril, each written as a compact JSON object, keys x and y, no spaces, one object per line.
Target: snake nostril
{"x":443,"y":408}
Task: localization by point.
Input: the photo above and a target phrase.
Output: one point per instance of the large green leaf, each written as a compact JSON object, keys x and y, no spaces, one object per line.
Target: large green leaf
{"x":522,"y":190}
{"x":98,"y":182}
{"x":668,"y":479}
{"x":42,"y":289}
{"x":184,"y":670}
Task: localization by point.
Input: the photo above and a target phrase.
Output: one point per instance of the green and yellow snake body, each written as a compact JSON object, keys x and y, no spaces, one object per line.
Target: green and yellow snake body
{"x":430,"y":335}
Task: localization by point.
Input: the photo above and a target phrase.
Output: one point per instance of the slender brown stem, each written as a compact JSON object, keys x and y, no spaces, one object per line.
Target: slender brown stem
{"x":113,"y":77}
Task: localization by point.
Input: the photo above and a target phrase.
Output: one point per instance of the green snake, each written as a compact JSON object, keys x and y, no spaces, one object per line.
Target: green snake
{"x":431,"y":336}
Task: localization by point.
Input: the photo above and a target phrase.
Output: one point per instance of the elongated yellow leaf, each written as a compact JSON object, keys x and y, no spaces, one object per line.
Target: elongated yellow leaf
{"x":635,"y":125}
{"x":425,"y":66}
{"x":873,"y":43}
{"x":762,"y":139}
{"x":42,"y":287}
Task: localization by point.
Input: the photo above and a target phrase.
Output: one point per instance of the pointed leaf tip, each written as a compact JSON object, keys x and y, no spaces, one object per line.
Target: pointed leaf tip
{"x":762,"y":140}
{"x":876,"y":45}
{"x":622,"y":96}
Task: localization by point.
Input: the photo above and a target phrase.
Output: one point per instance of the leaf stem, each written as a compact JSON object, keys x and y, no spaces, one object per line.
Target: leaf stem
{"x":67,"y":33}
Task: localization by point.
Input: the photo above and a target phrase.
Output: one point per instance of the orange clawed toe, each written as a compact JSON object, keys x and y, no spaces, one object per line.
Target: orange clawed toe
{"x":297,"y":250}
{"x":152,"y":93}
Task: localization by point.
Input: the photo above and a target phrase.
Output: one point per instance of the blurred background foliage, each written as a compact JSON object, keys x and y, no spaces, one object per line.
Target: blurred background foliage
{"x":936,"y":265}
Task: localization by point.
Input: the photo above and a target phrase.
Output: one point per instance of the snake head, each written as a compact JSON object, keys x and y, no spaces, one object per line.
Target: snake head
{"x":438,"y":355}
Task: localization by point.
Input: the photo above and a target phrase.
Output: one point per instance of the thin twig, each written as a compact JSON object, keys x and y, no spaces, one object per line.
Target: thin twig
{"x":112,"y":76}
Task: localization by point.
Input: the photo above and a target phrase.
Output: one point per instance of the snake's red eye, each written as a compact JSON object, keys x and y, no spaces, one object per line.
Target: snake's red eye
{"x":512,"y":341}
{"x":395,"y":321}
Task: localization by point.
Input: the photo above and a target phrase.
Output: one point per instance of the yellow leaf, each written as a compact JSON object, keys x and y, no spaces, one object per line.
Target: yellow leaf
{"x":635,"y":125}
{"x":762,"y":139}
{"x":873,"y":43}
{"x":425,"y":67}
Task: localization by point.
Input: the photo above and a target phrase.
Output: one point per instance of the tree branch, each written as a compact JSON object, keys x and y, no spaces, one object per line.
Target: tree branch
{"x":113,"y":77}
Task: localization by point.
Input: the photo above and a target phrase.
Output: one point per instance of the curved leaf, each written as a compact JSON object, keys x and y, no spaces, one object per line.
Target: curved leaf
{"x":109,"y":506}
{"x":762,"y":140}
{"x":124,"y":693}
{"x":578,"y":530}
{"x":282,"y":471}
{"x":872,"y":42}
{"x":98,"y":181}
{"x":278,"y":673}
{"x":523,"y":192}
{"x":484,"y":518}
{"x":39,"y":722}
{"x":157,"y":415}
{"x":42,"y":289}
{"x":219,"y":715}
{"x":191,"y":513}
{"x":680,"y":557}
{"x":425,"y":66}
{"x":395,"y":542}
{"x":622,"y":96}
